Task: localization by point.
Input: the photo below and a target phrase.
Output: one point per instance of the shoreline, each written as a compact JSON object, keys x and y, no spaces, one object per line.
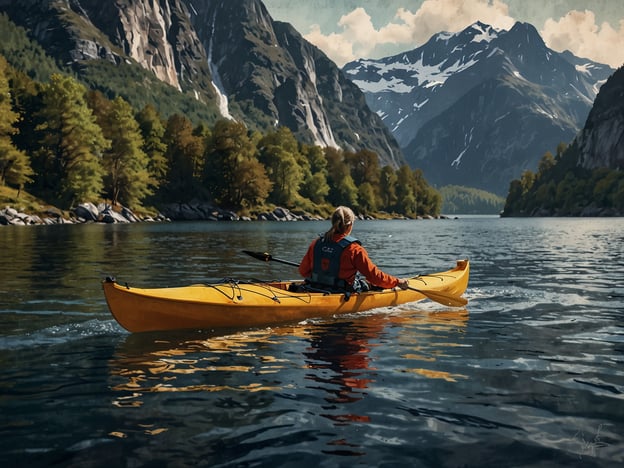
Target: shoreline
{"x":105,"y":213}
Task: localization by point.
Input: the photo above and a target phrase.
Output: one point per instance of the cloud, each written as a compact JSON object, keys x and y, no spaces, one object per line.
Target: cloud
{"x":578,"y":32}
{"x":359,"y":38}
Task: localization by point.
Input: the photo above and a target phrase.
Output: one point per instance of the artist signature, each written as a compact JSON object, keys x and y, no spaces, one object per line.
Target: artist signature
{"x":589,"y":446}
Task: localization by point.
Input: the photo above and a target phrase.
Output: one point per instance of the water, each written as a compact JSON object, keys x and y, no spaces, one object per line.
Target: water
{"x":529,"y":374}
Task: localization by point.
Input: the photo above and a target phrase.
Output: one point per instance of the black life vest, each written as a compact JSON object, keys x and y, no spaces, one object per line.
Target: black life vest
{"x":326,"y":266}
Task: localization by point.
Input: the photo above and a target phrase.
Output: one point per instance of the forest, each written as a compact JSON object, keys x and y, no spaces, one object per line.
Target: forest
{"x":68,"y":144}
{"x":561,"y":187}
{"x":457,"y":199}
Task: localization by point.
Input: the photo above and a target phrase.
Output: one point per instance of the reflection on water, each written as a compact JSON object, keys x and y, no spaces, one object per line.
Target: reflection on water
{"x":338,"y":359}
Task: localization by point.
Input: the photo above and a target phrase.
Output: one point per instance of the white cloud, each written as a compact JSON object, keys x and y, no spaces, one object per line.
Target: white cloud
{"x":359,"y":38}
{"x":578,"y":32}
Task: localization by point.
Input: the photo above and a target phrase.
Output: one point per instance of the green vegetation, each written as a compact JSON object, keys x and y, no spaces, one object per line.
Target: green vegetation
{"x":140,"y":88}
{"x":24,"y":54}
{"x":15,"y":167}
{"x":69,"y":143}
{"x":563,"y":188}
{"x":25,"y":202}
{"x":468,"y":200}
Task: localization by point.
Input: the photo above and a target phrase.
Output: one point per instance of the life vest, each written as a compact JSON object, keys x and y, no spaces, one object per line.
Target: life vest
{"x":326,"y":265}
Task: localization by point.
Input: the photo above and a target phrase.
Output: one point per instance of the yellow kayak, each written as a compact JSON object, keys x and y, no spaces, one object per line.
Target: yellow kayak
{"x":237,"y":304}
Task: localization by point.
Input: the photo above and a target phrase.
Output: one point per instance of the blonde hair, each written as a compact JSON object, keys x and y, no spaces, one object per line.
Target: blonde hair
{"x":341,"y":219}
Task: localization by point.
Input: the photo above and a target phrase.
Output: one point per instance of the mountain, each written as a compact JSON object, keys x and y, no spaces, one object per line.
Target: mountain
{"x":226,"y":58}
{"x":584,"y":178}
{"x":480,"y":106}
{"x":601,"y":142}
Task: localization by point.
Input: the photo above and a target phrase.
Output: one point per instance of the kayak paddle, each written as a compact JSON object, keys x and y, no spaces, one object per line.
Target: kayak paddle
{"x":444,"y":299}
{"x":265,"y":257}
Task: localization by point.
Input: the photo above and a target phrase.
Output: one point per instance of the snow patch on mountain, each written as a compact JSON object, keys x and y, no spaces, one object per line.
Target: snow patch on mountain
{"x":467,"y":140}
{"x":424,"y":75}
{"x":393,"y":84}
{"x":485,"y":33}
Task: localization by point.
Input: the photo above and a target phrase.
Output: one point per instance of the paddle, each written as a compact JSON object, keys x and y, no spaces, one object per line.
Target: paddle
{"x":447,"y":300}
{"x":452,"y":301}
{"x":265,"y":257}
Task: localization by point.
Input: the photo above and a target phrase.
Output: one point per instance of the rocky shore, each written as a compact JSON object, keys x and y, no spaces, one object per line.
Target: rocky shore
{"x":105,"y":213}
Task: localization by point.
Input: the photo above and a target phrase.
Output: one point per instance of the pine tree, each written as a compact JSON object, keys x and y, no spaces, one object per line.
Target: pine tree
{"x":127,"y":178}
{"x":233,"y":174}
{"x":72,"y":141}
{"x":315,"y":186}
{"x":387,"y":188}
{"x":343,"y":190}
{"x":153,"y":131}
{"x":15,"y":166}
{"x":185,"y":159}
{"x":279,"y":153}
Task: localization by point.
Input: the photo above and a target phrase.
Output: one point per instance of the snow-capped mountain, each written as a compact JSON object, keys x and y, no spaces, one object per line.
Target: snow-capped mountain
{"x":480,"y":106}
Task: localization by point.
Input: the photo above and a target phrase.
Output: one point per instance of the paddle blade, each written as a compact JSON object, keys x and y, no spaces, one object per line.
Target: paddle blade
{"x":265,"y":257}
{"x":444,"y":299}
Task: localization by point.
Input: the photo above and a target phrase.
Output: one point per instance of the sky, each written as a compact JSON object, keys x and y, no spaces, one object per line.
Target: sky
{"x":347,"y":30}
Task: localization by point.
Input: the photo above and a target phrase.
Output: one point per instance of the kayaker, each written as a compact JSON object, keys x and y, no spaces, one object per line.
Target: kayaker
{"x":334,"y":259}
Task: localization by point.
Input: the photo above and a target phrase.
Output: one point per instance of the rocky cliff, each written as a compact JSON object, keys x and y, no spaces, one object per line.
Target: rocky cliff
{"x":228,"y":54}
{"x":601,"y":142}
{"x":266,"y":66}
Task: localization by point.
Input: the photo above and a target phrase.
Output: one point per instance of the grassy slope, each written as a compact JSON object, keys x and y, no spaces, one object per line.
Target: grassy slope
{"x":24,"y":202}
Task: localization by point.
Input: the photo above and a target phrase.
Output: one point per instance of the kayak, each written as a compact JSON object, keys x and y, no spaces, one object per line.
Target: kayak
{"x":240,"y":304}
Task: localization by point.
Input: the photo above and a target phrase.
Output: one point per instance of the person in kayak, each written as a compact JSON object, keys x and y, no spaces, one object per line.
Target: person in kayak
{"x":334,"y":260}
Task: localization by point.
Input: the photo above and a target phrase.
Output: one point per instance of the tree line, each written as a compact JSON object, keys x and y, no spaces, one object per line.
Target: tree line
{"x":561,"y":187}
{"x":68,"y":144}
{"x":458,"y":199}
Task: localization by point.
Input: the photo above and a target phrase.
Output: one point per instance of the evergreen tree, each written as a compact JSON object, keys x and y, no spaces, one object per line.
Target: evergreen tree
{"x":343,"y":190}
{"x":127,"y":178}
{"x":365,"y":171}
{"x":364,"y":166}
{"x":233,"y":174}
{"x":406,"y":191}
{"x":15,"y":166}
{"x":279,"y":153}
{"x":153,"y":132}
{"x":428,"y":200}
{"x":185,"y":159}
{"x":367,"y":198}
{"x":72,"y":143}
{"x":388,"y":188}
{"x":315,"y":187}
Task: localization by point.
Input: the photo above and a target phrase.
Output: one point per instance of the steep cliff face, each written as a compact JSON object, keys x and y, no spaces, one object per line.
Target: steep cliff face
{"x":142,"y":30}
{"x":224,"y":53}
{"x":157,"y":34}
{"x":601,"y":142}
{"x":267,"y":68}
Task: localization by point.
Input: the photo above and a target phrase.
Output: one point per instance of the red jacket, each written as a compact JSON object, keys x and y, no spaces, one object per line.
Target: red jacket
{"x":354,"y":258}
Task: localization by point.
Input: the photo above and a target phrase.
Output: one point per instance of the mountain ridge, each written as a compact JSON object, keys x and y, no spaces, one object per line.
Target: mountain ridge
{"x":418,"y":91}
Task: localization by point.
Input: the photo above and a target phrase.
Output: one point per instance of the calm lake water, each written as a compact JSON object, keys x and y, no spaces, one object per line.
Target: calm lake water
{"x":531,"y":373}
